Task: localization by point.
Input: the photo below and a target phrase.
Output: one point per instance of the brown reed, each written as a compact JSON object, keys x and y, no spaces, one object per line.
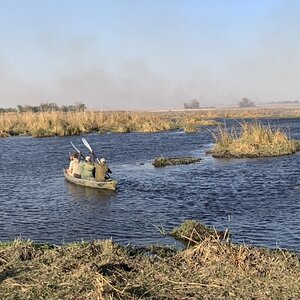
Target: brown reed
{"x":72,"y":123}
{"x":253,"y":140}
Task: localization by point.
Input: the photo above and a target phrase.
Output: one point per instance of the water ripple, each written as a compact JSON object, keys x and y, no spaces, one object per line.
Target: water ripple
{"x":261,"y":196}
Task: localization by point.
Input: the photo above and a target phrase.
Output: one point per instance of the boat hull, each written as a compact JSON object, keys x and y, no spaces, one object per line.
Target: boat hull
{"x":104,"y":185}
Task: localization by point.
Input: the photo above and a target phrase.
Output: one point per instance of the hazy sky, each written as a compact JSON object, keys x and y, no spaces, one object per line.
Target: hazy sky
{"x":133,"y":54}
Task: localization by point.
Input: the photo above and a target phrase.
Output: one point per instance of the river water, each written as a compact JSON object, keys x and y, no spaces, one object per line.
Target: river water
{"x":257,"y":199}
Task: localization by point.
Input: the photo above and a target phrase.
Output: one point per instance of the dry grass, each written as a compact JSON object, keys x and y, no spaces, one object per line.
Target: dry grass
{"x":72,"y":123}
{"x":193,"y":232}
{"x":210,"y":269}
{"x":253,"y":140}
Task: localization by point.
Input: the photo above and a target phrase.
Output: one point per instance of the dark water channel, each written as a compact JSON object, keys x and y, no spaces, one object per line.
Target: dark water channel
{"x":261,"y":196}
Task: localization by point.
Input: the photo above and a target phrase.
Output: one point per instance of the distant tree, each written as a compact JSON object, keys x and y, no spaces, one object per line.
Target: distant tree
{"x":71,"y":108}
{"x":46,"y":107}
{"x":289,"y":102}
{"x":20,"y":108}
{"x":35,"y":109}
{"x":49,"y":106}
{"x":194,"y":104}
{"x":10,"y":109}
{"x":64,"y":108}
{"x":246,"y":102}
{"x":27,"y":108}
{"x":53,"y":107}
{"x":79,"y":106}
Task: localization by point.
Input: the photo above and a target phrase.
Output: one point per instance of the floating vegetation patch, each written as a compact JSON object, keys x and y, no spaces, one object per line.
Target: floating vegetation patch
{"x":3,"y":134}
{"x":171,"y":161}
{"x":190,"y":129}
{"x":192,"y":231}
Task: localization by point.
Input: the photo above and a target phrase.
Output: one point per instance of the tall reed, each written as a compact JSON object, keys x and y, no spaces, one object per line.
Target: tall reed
{"x":72,"y":123}
{"x":253,"y":140}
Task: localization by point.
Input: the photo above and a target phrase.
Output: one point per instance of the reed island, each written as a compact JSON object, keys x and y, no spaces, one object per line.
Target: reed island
{"x":253,"y":140}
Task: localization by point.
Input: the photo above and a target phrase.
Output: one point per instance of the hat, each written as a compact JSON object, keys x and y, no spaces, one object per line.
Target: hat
{"x":88,"y":158}
{"x":102,"y":161}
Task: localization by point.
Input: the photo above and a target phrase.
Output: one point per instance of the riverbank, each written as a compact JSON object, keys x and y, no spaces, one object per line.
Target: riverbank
{"x":209,"y":269}
{"x":55,"y":123}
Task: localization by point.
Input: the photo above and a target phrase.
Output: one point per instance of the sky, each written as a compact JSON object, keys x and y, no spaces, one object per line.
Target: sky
{"x":148,"y":54}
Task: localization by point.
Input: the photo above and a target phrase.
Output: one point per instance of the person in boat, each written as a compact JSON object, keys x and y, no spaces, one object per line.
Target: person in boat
{"x":102,"y":170}
{"x":75,"y":166}
{"x":87,"y":168}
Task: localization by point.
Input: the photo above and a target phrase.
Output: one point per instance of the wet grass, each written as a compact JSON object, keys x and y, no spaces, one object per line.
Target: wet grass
{"x":171,"y":161}
{"x":253,"y":140}
{"x":210,"y":268}
{"x":193,"y":232}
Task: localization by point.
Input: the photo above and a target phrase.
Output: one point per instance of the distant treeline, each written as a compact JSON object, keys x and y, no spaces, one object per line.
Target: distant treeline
{"x":285,"y":102}
{"x":45,"y":107}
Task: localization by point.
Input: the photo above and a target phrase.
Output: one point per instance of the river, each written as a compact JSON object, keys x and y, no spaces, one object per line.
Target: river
{"x":257,"y":199}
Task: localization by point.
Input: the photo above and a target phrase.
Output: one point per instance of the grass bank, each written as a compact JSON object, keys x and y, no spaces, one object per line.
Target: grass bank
{"x":253,"y":140}
{"x":210,"y":269}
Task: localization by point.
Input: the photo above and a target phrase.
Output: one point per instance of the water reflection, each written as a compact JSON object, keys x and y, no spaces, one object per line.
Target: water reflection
{"x":89,"y":194}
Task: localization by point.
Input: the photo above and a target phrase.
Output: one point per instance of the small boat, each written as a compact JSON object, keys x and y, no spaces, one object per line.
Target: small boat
{"x":110,"y":184}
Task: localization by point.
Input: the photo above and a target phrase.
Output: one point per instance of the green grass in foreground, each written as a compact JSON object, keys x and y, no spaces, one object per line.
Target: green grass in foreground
{"x":210,"y":269}
{"x":253,"y":140}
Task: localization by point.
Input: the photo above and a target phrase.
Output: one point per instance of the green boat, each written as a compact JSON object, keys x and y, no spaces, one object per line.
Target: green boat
{"x":110,"y":184}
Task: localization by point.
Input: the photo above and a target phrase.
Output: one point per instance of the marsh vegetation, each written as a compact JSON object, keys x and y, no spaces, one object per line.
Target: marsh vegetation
{"x":253,"y":140}
{"x":44,"y":124}
{"x":210,"y":268}
{"x":171,"y":161}
{"x":61,"y":123}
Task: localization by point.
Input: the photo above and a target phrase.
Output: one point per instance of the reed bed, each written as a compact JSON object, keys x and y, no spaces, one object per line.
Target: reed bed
{"x":208,"y":269}
{"x":59,"y":123}
{"x":255,"y":112}
{"x":253,"y":140}
{"x":71,"y":123}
